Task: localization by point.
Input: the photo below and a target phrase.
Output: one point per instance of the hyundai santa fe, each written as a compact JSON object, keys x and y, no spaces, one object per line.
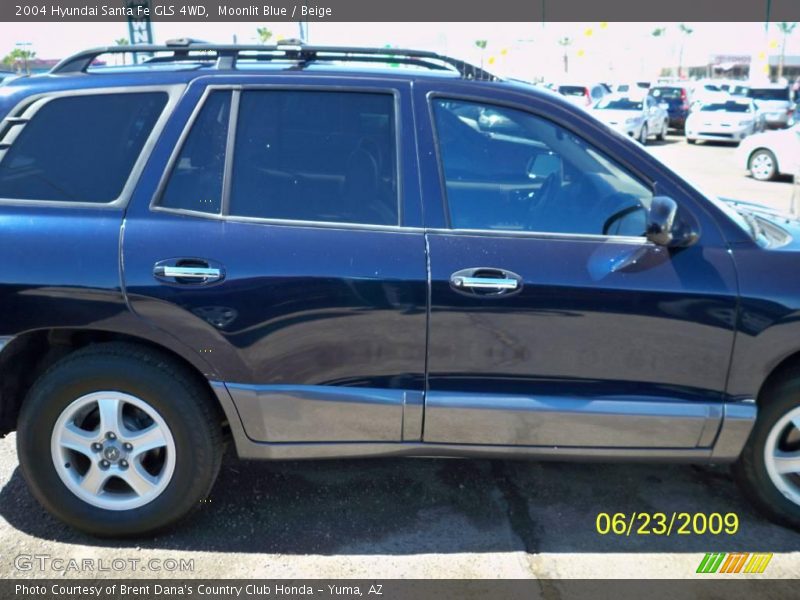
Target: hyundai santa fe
{"x":320,"y":252}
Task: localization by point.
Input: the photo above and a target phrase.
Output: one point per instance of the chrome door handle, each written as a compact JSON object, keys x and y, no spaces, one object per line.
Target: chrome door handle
{"x":486,"y":283}
{"x":188,"y":271}
{"x":207,"y":273}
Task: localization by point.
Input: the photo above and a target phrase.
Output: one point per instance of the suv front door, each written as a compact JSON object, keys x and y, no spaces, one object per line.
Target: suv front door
{"x":554,"y":322}
{"x":275,"y":234}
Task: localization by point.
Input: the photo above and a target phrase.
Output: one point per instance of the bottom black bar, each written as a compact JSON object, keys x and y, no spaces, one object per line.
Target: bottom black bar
{"x":712,"y":586}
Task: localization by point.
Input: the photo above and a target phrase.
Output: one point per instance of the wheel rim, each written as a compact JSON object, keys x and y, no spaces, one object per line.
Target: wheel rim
{"x":113,"y":450}
{"x":761,"y":166}
{"x":782,"y":455}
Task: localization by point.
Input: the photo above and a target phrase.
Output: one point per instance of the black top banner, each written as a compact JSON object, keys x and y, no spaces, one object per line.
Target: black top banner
{"x":403,"y":11}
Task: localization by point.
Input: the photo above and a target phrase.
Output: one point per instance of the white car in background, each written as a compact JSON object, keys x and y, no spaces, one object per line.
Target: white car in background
{"x":638,"y":117}
{"x":775,"y":101}
{"x":767,"y":155}
{"x":583,"y":95}
{"x":723,"y":119}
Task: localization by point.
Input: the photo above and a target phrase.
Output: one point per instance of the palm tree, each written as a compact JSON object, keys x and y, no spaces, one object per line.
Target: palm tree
{"x":264,"y":34}
{"x":482,"y":45}
{"x":686,"y":31}
{"x":18,"y":59}
{"x":786,"y":29}
{"x":565,"y":42}
{"x":122,"y":42}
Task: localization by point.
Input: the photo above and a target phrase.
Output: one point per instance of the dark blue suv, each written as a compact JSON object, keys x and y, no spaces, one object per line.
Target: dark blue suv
{"x":329,"y":252}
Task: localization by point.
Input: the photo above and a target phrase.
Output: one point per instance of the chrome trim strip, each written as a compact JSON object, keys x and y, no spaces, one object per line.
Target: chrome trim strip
{"x":288,"y":451}
{"x":737,"y":422}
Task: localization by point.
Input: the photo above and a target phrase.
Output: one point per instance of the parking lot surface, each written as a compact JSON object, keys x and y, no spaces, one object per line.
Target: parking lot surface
{"x":427,"y":517}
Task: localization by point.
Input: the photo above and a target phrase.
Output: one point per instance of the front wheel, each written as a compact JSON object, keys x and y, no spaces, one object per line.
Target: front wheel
{"x":768,"y":469}
{"x":762,"y":165}
{"x":663,"y":133}
{"x":118,"y":440}
{"x":643,"y":135}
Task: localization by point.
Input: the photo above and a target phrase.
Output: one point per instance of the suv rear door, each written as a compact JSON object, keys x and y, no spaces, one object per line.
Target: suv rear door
{"x":276,"y":232}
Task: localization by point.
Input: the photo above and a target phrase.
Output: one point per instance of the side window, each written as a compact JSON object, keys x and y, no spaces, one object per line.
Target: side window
{"x":505,"y":169}
{"x":196,"y":179}
{"x":316,"y":156}
{"x":79,"y":148}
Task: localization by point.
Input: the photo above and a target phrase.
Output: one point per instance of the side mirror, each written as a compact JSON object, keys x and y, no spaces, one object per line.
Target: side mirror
{"x":660,"y":220}
{"x":663,"y":229}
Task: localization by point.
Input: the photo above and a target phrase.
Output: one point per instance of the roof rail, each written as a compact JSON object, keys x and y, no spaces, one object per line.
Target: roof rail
{"x":225,"y":56}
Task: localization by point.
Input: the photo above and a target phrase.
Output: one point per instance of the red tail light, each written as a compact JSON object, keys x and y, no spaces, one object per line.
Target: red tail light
{"x":684,"y":100}
{"x":588,"y":96}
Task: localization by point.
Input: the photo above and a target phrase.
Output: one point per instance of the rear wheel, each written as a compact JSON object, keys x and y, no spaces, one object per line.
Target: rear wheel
{"x":643,"y":135}
{"x":663,"y":133}
{"x":768,"y":469}
{"x":763,"y":165}
{"x":691,"y":140}
{"x":119,"y":440}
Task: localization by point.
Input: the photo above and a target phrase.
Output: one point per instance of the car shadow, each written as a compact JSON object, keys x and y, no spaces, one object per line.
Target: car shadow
{"x":413,"y":506}
{"x":667,"y":141}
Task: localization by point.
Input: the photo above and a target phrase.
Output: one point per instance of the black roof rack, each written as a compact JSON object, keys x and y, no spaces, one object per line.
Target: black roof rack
{"x":225,"y":56}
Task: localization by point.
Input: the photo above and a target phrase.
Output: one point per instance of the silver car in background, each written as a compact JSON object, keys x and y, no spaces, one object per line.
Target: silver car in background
{"x":775,"y":101}
{"x":729,"y":119}
{"x":638,"y":117}
{"x":583,"y":95}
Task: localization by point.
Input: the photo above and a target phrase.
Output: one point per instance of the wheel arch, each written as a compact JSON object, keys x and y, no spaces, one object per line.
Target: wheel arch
{"x":37,"y":350}
{"x":787,"y":366}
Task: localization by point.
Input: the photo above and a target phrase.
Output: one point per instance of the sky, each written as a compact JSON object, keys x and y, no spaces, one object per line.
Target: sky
{"x":603,"y":51}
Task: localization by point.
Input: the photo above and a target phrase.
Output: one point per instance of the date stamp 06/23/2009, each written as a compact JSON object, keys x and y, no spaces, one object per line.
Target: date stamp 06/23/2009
{"x":666,"y":523}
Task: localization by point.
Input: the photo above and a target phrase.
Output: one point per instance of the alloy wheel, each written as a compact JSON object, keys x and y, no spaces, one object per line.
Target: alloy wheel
{"x":782,"y":455}
{"x":113,"y":450}
{"x":762,"y":166}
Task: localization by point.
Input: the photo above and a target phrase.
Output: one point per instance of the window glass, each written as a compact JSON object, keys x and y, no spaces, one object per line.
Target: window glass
{"x":769,"y":93}
{"x":80,"y":148}
{"x":506,"y":169}
{"x":196,"y":179}
{"x":315,"y":156}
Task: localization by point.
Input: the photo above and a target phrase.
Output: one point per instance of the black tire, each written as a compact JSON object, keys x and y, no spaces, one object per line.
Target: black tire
{"x":184,"y":403}
{"x":762,"y":174}
{"x":691,"y":140}
{"x":643,"y":135}
{"x":750,"y":470}
{"x":663,"y":133}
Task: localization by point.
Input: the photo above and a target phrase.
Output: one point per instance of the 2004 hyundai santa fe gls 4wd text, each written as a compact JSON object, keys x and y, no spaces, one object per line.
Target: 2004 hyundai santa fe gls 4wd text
{"x":330,"y":252}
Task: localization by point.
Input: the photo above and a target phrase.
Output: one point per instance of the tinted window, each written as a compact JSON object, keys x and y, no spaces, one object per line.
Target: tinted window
{"x":618,"y":104}
{"x":80,"y":148}
{"x":535,"y":176}
{"x":769,"y":94}
{"x":572,"y":90}
{"x":196,"y":179}
{"x":316,"y":156}
{"x":736,"y":107}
